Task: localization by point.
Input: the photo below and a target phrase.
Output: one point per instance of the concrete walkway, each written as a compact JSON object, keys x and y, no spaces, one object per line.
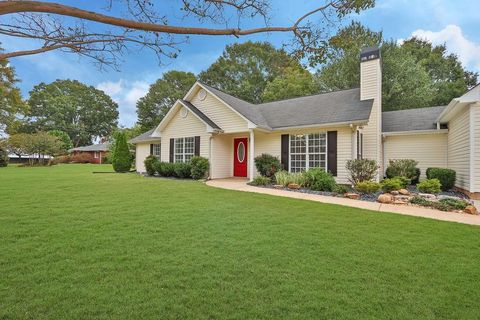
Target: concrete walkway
{"x":241,"y":185}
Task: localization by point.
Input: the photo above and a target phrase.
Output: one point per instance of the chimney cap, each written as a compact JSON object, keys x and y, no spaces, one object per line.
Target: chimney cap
{"x":369,"y":53}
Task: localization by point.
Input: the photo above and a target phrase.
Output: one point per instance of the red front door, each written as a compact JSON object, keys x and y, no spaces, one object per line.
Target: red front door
{"x":240,"y":157}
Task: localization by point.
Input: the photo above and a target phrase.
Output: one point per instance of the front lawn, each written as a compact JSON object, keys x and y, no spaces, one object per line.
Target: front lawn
{"x":81,"y":245}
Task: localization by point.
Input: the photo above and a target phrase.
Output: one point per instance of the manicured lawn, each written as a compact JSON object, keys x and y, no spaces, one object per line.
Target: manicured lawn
{"x":79,"y":245}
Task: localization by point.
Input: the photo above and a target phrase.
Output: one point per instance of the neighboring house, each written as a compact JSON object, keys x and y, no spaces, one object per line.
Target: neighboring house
{"x":95,"y":151}
{"x":323,"y":130}
{"x":24,"y":158}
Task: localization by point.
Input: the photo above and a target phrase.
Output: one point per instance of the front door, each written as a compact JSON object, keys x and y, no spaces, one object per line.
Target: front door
{"x":240,"y":157}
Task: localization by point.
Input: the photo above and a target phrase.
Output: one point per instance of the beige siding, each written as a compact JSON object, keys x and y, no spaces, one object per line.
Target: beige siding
{"x":430,"y":150}
{"x":222,"y":155}
{"x":142,"y":151}
{"x":179,"y":127}
{"x":271,"y":143}
{"x":371,"y":88}
{"x":222,"y":115}
{"x":476,"y":147}
{"x":459,"y":148}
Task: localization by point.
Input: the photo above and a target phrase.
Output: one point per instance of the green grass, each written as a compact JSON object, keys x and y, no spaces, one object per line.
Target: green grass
{"x":79,"y":245}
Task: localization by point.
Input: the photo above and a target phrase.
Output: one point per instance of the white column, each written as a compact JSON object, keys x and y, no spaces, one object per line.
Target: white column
{"x":251,"y":155}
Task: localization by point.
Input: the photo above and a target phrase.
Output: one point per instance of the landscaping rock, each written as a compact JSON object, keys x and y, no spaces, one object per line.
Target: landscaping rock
{"x":402,"y":198}
{"x":471,"y":210}
{"x":352,"y":195}
{"x":404,"y":192}
{"x":400,"y":201}
{"x":278,"y":186}
{"x":394,"y":192}
{"x":293,"y":186}
{"x":428,"y":196}
{"x":385,"y":198}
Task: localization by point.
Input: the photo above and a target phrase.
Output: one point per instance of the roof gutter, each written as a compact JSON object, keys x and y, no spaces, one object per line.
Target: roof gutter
{"x":326,"y":125}
{"x":414,"y":132}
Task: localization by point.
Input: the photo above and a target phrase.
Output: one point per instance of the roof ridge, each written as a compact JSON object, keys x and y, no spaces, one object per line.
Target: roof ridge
{"x":308,"y":95}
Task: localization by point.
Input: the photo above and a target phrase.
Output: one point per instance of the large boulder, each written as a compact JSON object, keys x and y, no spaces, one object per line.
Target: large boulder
{"x":404,"y":192}
{"x":293,"y":186}
{"x":385,"y":198}
{"x":352,"y":195}
{"x":471,"y":210}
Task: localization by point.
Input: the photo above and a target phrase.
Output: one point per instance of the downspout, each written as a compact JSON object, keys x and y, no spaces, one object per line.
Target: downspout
{"x":210,"y":156}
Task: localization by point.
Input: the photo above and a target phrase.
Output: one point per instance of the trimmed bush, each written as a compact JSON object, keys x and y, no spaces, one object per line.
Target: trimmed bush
{"x":361,"y":170}
{"x":319,"y":180}
{"x":282,"y":178}
{"x":150,"y":165}
{"x":200,"y":166}
{"x":3,"y":157}
{"x":267,"y":165}
{"x":165,"y":169}
{"x":367,"y":187}
{"x":429,"y":186}
{"x":402,"y":168}
{"x":446,"y":177}
{"x":81,"y":158}
{"x":122,"y":158}
{"x":183,"y":170}
{"x":260,"y":181}
{"x":404,"y":181}
{"x":393,"y":184}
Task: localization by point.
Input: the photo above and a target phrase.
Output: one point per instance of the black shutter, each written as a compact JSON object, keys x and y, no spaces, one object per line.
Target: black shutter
{"x":197,"y":145}
{"x":172,"y":146}
{"x":332,"y":152}
{"x":284,"y":151}
{"x":151,"y":149}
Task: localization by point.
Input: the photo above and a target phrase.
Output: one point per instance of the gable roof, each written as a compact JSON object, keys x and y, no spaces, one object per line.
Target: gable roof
{"x":93,"y":147}
{"x":411,"y":119}
{"x":326,"y":108}
{"x":200,"y":114}
{"x":146,"y":136}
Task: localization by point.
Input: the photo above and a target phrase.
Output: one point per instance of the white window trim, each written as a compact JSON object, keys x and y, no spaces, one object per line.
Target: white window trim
{"x":184,"y":154}
{"x":159,"y":150}
{"x":307,"y":162}
{"x":96,"y":155}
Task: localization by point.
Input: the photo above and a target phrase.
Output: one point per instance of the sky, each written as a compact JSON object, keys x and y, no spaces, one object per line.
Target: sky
{"x":440,"y":21}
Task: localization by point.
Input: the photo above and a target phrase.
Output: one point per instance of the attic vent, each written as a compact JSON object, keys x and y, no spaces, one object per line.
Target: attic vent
{"x":202,"y":94}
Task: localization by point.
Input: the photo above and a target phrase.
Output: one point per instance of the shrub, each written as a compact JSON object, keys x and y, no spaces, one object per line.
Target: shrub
{"x":260,"y":181}
{"x":165,"y":169}
{"x":122,"y":158}
{"x":429,"y":186}
{"x":200,"y":166}
{"x":297,"y":178}
{"x":457,"y":204}
{"x":392,"y":184}
{"x":282,"y":178}
{"x":340,"y":189}
{"x":402,"y":168}
{"x":361,"y":170}
{"x":404,"y":181}
{"x":183,"y":170}
{"x":367,"y":187}
{"x":3,"y":157}
{"x":150,"y":164}
{"x":62,"y":159}
{"x":420,"y":201}
{"x":416,"y":179}
{"x":81,"y":158}
{"x":318,"y":179}
{"x":445,"y":176}
{"x":107,"y":159}
{"x":267,"y":165}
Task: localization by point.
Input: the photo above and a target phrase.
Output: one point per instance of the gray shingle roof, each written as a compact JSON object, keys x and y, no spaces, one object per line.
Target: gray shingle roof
{"x":325,"y":108}
{"x":200,"y":114}
{"x":411,"y":119}
{"x":93,"y":147}
{"x":146,"y":136}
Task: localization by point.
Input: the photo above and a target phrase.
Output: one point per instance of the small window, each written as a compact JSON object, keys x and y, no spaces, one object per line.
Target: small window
{"x":241,"y":152}
{"x":359,"y":144}
{"x":156,"y":150}
{"x":96,"y":155}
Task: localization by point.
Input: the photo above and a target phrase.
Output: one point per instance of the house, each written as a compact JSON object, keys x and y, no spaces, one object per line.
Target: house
{"x":25,"y":158}
{"x":324,"y":130}
{"x":96,"y":152}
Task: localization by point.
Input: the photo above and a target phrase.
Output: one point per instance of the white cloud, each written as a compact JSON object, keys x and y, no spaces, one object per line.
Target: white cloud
{"x":126,"y":94}
{"x":467,"y":51}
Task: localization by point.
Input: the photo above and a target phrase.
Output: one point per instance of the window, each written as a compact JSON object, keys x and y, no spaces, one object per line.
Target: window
{"x":184,"y":149}
{"x":308,"y":151}
{"x":156,"y":150}
{"x":95,"y":155}
{"x":359,"y":144}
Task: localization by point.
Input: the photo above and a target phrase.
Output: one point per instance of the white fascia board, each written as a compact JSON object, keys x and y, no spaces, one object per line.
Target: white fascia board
{"x":415,"y":132}
{"x":326,"y":125}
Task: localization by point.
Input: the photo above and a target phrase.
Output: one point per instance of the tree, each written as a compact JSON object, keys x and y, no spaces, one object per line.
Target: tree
{"x":293,"y":83}
{"x":121,"y":158}
{"x":449,"y":78}
{"x":83,"y":112}
{"x":43,"y":144}
{"x":18,"y":144}
{"x":64,"y":138}
{"x":243,"y":70}
{"x":415,"y":74}
{"x":144,"y":25}
{"x":161,"y":96}
{"x":3,"y":154}
{"x":11,"y":102}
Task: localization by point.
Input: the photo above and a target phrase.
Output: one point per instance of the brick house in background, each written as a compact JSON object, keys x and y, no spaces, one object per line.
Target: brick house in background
{"x":95,"y":151}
